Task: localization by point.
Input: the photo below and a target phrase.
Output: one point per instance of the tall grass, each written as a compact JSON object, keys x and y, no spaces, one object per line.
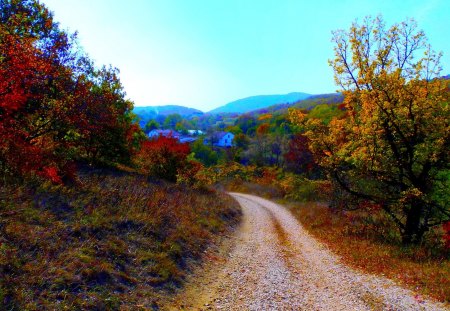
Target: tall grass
{"x":114,"y":240}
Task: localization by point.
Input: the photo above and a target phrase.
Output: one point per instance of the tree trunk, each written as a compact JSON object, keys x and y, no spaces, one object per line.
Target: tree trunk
{"x":413,"y":232}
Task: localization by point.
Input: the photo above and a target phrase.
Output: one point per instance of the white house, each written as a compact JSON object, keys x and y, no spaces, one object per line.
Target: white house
{"x":220,"y":139}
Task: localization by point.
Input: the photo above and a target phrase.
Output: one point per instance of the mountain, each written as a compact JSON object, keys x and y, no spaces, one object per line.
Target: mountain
{"x":160,"y":112}
{"x":258,"y":102}
{"x":307,"y":103}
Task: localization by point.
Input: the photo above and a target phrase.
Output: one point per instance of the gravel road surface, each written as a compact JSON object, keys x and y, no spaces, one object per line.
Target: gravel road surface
{"x":272,"y":263}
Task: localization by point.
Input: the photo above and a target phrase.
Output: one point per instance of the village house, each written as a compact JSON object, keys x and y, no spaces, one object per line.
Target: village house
{"x":170,"y":133}
{"x":164,"y":133}
{"x":220,"y":139}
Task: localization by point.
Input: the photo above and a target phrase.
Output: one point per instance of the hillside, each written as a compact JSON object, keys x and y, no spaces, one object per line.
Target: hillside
{"x":153,"y":112}
{"x":308,"y":103}
{"x":112,"y":241}
{"x":257,"y":102}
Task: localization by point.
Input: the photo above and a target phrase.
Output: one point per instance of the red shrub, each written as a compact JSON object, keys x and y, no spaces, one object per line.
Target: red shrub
{"x":163,"y":157}
{"x":446,"y":227}
{"x":299,"y":158}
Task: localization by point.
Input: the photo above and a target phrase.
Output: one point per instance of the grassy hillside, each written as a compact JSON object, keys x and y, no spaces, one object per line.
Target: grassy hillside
{"x":112,"y":241}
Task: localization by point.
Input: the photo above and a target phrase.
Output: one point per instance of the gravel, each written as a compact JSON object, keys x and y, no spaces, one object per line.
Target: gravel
{"x":272,"y":263}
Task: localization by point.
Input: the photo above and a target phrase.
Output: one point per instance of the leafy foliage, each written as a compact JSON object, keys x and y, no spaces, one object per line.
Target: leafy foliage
{"x":299,"y":159}
{"x":163,"y":157}
{"x":392,"y":143}
{"x":55,"y":107}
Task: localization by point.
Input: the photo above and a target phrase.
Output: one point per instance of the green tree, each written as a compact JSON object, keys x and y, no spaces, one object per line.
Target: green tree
{"x":205,"y":154}
{"x":170,"y":122}
{"x":151,"y":125}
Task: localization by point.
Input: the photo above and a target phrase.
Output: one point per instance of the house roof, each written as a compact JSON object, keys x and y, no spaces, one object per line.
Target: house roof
{"x":220,"y":135}
{"x":165,"y":133}
{"x":187,"y":139}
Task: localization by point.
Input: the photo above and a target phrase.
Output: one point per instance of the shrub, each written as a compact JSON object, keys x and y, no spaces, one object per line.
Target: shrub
{"x":163,"y":157}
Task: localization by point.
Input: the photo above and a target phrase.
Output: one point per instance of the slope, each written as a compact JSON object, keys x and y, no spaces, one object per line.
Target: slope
{"x":257,"y":102}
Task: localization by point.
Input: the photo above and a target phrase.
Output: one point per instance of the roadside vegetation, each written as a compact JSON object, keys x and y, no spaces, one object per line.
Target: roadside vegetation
{"x":94,"y":215}
{"x":115,"y":240}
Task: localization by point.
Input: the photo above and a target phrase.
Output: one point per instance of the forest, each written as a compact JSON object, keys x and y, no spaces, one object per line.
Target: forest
{"x":76,"y":164}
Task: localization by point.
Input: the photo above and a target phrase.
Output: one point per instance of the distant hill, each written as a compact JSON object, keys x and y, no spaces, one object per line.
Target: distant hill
{"x":160,"y":112}
{"x":308,"y":103}
{"x":258,"y":102}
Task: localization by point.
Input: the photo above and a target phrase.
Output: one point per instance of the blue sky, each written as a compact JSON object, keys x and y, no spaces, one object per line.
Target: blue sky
{"x":205,"y":53}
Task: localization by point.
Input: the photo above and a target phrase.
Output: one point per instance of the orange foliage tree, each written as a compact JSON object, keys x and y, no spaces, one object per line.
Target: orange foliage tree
{"x":391,"y":146}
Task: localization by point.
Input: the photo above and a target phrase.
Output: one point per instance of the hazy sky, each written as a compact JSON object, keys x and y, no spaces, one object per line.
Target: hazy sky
{"x":205,"y":53}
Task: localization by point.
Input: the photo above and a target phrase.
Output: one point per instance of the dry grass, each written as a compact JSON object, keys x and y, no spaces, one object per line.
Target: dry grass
{"x":370,"y":247}
{"x":115,"y":241}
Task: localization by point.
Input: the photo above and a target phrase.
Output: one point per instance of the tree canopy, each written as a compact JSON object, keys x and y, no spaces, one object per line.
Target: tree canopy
{"x":55,"y":105}
{"x":391,"y":147}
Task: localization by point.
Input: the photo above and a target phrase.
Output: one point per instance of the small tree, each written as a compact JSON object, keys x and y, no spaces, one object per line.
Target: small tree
{"x":392,"y":146}
{"x":299,"y":158}
{"x":170,"y":122}
{"x":150,"y":126}
{"x":164,"y":157}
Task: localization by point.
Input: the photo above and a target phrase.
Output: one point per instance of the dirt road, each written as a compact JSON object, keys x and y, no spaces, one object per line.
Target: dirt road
{"x":272,"y":263}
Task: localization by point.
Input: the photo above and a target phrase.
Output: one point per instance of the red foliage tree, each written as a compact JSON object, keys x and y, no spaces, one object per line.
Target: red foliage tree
{"x":55,"y":107}
{"x":164,"y":157}
{"x":24,"y":73}
{"x":299,"y":158}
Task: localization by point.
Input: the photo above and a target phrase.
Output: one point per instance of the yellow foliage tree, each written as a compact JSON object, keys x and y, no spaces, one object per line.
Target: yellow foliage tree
{"x":392,"y":146}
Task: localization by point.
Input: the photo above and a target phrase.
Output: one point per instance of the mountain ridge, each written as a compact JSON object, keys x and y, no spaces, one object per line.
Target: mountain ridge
{"x":256,"y":102}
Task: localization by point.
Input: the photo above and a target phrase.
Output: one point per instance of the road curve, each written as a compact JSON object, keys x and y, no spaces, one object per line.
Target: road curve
{"x":274,"y":264}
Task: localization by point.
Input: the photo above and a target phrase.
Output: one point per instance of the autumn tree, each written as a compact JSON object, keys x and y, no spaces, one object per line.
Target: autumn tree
{"x":34,"y":73}
{"x":392,"y":146}
{"x":299,"y":159}
{"x":55,"y":106}
{"x":163,"y":157}
{"x":205,"y":154}
{"x":170,"y":122}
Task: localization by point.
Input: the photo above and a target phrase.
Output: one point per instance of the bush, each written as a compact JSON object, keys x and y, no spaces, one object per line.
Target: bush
{"x":163,"y":157}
